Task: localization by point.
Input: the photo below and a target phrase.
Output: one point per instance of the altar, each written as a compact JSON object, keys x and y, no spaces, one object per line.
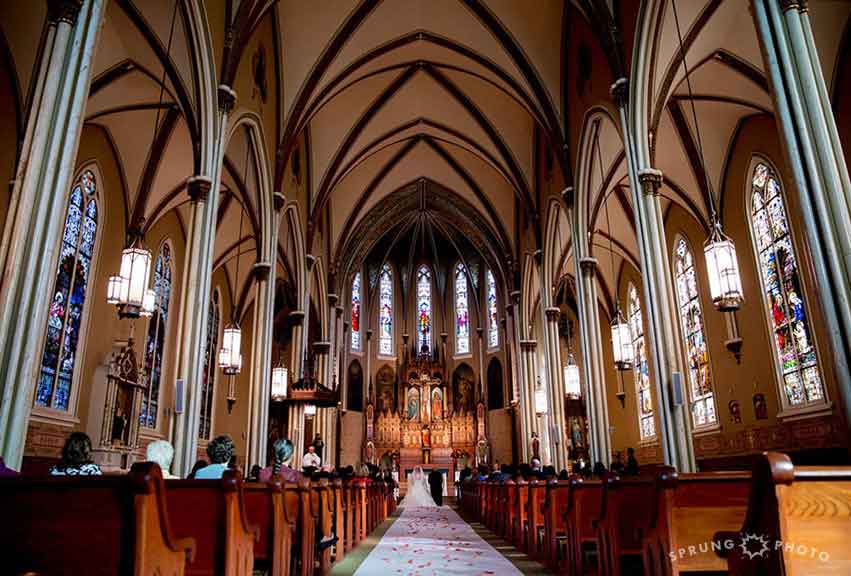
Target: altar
{"x":425,"y":421}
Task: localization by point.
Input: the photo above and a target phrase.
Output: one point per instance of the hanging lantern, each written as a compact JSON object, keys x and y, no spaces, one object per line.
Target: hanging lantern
{"x":310,"y":409}
{"x":129,"y":290}
{"x":230,"y":358}
{"x":621,"y":342}
{"x":572,"y":385}
{"x":722,"y":266}
{"x":540,"y":399}
{"x":280,"y":379}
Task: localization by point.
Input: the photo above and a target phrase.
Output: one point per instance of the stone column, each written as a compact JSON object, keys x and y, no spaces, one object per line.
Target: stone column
{"x":482,"y":376}
{"x":555,"y":383}
{"x":817,"y":162}
{"x":261,"y":363}
{"x":527,"y":388}
{"x":367,"y":377}
{"x":516,"y":353}
{"x":34,"y":223}
{"x":324,"y":416}
{"x":592,"y":361}
{"x":295,"y":420}
{"x":195,"y":298}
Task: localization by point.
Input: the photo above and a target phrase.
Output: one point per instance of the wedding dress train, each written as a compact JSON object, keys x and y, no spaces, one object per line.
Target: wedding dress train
{"x":418,"y":491}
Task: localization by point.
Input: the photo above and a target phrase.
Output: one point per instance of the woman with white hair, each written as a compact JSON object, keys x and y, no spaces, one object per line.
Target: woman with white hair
{"x":161,"y":452}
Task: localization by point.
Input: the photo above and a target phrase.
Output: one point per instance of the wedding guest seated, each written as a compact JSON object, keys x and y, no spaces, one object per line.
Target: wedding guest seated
{"x":220,"y":451}
{"x":283,"y":450}
{"x":254,"y":475}
{"x":599,"y":469}
{"x":75,"y":458}
{"x":310,"y":461}
{"x":195,"y":467}
{"x":563,"y":475}
{"x":161,"y":452}
{"x":5,"y":471}
{"x":549,"y":471}
{"x":631,"y":463}
{"x":617,"y":466}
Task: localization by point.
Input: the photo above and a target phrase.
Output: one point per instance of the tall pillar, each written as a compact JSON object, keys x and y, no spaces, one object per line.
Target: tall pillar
{"x":261,"y":363}
{"x":592,"y":361}
{"x":30,"y":248}
{"x":527,"y":389}
{"x":324,"y":416}
{"x":814,"y":154}
{"x":555,"y":384}
{"x":367,"y":377}
{"x":482,"y":376}
{"x":513,"y":312}
{"x":203,"y":192}
{"x":295,"y":419}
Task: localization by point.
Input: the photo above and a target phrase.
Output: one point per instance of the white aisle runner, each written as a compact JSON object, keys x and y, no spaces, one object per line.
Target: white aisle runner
{"x":426,"y":541}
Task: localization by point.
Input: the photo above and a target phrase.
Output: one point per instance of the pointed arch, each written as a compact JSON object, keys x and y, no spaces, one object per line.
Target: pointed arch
{"x":155,"y":339}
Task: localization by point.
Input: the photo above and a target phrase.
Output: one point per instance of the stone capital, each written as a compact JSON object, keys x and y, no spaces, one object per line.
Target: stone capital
{"x":538,"y":255}
{"x":198,"y":188}
{"x":553,"y":314}
{"x":568,"y":195}
{"x":620,"y":92}
{"x":651,"y":181}
{"x":588,"y":265}
{"x":278,"y":201}
{"x":63,"y":11}
{"x":297,"y":316}
{"x":333,"y":299}
{"x":261,"y":271}
{"x":444,"y":336}
{"x":339,"y":310}
{"x":480,"y":331}
{"x":309,"y":261}
{"x":321,"y":347}
{"x":227,"y":98}
{"x":528,"y":345}
{"x":369,"y":334}
{"x":515,"y":296}
{"x":786,"y":5}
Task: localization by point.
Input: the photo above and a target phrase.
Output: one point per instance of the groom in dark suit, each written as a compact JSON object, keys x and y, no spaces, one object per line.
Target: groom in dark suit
{"x":435,"y":482}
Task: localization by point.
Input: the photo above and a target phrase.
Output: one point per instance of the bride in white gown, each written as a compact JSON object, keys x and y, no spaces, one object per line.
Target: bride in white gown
{"x":418,"y":490}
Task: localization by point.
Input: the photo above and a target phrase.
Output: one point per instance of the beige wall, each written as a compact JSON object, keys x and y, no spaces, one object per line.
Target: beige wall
{"x":351,"y":438}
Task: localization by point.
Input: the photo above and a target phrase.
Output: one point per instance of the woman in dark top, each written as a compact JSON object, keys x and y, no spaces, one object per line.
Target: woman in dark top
{"x":75,"y":458}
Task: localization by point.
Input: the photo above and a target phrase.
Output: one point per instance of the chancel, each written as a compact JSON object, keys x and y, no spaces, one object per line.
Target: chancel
{"x":365,"y":287}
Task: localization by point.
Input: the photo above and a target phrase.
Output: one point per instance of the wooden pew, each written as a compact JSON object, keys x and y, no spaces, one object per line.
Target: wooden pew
{"x":521,"y":522}
{"x":535,"y":519}
{"x":349,"y":511}
{"x":87,"y":525}
{"x":306,"y":533}
{"x":501,"y":502}
{"x":510,"y":511}
{"x":584,"y":501}
{"x":626,"y":510}
{"x":322,"y":508}
{"x":339,"y":520}
{"x":213,"y":512}
{"x":804,"y":514}
{"x":264,"y":505}
{"x":689,"y":509}
{"x":555,"y":528}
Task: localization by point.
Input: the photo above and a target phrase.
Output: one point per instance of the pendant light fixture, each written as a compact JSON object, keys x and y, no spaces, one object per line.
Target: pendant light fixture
{"x":572,"y":383}
{"x":129,"y":289}
{"x":621,"y":334}
{"x":541,"y":407}
{"x":722,"y":266}
{"x":280,"y":380}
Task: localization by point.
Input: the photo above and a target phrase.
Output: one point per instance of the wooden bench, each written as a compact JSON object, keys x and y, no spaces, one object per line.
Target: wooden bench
{"x":339,"y":519}
{"x":510,"y":511}
{"x":555,"y":527}
{"x":625,"y":514}
{"x":274,"y":509}
{"x":535,"y":519}
{"x":584,"y":502}
{"x":521,"y":521}
{"x":322,"y":508}
{"x":213,"y":512}
{"x":689,"y":509}
{"x":349,"y":511}
{"x":93,"y":525}
{"x":802,"y":513}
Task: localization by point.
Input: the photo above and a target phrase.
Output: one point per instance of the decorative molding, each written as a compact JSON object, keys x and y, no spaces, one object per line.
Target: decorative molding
{"x":321,"y":347}
{"x":588,"y":265}
{"x":279,"y":201}
{"x":651,"y":181}
{"x":620,"y":92}
{"x":528,"y":345}
{"x":261,"y":271}
{"x":568,"y":195}
{"x":198,"y":188}
{"x":553,"y":313}
{"x":333,"y":299}
{"x":63,"y":11}
{"x":297,"y":317}
{"x":227,"y":98}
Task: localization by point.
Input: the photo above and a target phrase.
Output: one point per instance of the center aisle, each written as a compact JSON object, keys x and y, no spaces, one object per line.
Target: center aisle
{"x":425,"y":540}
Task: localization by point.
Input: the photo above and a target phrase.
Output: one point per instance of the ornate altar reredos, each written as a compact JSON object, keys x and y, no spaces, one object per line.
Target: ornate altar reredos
{"x":425,"y":419}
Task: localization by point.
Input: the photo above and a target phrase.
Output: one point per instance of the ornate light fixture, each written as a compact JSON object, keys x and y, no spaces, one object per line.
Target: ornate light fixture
{"x":722,"y":266}
{"x":280,"y":379}
{"x":621,"y":342}
{"x":230,"y":356}
{"x":128,"y":290}
{"x":310,"y":410}
{"x":541,"y":407}
{"x":572,"y":383}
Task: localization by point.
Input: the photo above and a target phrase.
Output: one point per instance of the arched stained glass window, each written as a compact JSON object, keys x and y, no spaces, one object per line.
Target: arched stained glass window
{"x":155,"y":341}
{"x":783,"y":292}
{"x":385,"y":311}
{"x":208,"y":382}
{"x":69,"y":295}
{"x":424,"y":307}
{"x":694,"y":338}
{"x":493,"y":318}
{"x":462,"y":311}
{"x":641,"y":370}
{"x":355,"y":328}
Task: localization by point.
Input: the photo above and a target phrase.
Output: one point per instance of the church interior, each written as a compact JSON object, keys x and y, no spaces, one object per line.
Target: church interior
{"x":316,"y":287}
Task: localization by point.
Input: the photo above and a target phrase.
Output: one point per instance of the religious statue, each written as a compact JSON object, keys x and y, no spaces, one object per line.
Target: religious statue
{"x":576,"y":434}
{"x":413,"y":403}
{"x":464,"y":399}
{"x":735,"y":412}
{"x":386,"y":385}
{"x":535,"y":446}
{"x":760,"y":408}
{"x":426,"y":436}
{"x":436,"y":404}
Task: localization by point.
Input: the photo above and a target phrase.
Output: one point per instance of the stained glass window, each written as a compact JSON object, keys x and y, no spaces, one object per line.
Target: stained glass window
{"x":691,"y":321}
{"x":424,"y":307}
{"x":784,"y":295}
{"x":493,"y":319}
{"x":155,"y":341}
{"x":641,"y":369}
{"x":69,"y":295}
{"x":356,"y":313}
{"x":385,"y":311}
{"x":208,"y":379}
{"x":462,"y":312}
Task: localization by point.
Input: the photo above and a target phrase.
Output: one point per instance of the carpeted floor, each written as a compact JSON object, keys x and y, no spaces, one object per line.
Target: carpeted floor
{"x":424,"y":541}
